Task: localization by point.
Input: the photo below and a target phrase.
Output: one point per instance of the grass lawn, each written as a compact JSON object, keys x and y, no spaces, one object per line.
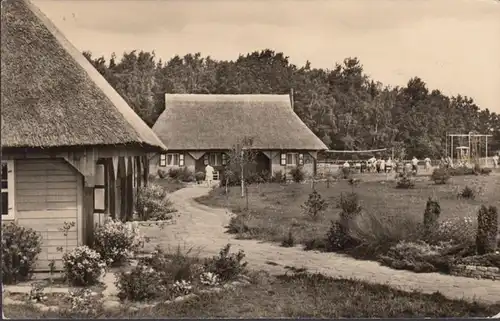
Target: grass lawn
{"x":275,"y":209}
{"x":298,"y":296}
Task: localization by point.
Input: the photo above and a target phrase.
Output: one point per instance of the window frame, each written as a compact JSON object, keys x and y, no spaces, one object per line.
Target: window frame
{"x":103,"y":187}
{"x":163,"y":160}
{"x":298,"y":159}
{"x":10,"y":190}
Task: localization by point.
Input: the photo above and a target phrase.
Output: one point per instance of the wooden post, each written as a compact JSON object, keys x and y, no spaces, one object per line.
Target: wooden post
{"x":486,"y":154}
{"x":242,"y":174}
{"x":112,"y":189}
{"x":88,"y":214}
{"x":451,"y":146}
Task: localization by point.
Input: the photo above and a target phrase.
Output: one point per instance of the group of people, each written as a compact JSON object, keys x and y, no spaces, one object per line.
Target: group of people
{"x":381,"y":165}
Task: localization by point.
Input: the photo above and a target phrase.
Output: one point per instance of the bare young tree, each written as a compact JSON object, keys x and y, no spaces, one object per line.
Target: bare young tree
{"x":240,"y":159}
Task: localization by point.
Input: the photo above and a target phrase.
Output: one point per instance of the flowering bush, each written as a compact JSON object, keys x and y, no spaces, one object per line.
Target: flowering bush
{"x":209,"y":278}
{"x":153,"y":204}
{"x":85,"y":302}
{"x":20,"y":247}
{"x":142,"y":283}
{"x":458,"y":230}
{"x":117,"y":241}
{"x":83,"y":266}
{"x":182,"y":287}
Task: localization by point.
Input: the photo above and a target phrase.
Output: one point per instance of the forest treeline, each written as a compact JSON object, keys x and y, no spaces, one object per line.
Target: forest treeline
{"x":343,"y":106}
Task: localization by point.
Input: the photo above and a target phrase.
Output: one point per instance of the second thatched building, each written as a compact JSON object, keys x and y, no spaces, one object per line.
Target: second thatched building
{"x":201,"y":129}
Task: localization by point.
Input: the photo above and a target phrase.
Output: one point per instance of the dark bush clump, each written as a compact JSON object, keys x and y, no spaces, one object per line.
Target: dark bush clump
{"x":278,"y":177}
{"x":162,"y":174}
{"x":315,"y":205}
{"x":182,"y":174}
{"x":199,"y":176}
{"x":487,"y":229}
{"x":467,"y":193}
{"x":20,"y":248}
{"x":289,"y":240}
{"x":405,"y":182}
{"x":298,"y":174}
{"x":440,"y":175}
{"x":431,"y":216}
{"x":226,"y":266}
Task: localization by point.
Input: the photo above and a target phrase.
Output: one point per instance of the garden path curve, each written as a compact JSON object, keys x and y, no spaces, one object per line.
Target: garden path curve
{"x":204,"y":227}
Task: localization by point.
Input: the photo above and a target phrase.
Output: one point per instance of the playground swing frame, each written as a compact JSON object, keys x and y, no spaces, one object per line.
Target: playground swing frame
{"x":473,"y":141}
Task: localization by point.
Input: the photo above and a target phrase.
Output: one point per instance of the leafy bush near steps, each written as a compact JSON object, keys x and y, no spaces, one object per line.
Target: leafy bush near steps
{"x":20,"y":248}
{"x":153,"y":203}
{"x":83,"y":266}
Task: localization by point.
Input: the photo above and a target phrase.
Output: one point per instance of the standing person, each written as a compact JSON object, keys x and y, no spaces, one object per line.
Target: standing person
{"x":371,"y":163}
{"x":414,"y":165}
{"x":427,"y":161}
{"x":382,"y":166}
{"x":209,"y":174}
{"x":388,"y":165}
{"x":495,"y":161}
{"x":377,"y":165}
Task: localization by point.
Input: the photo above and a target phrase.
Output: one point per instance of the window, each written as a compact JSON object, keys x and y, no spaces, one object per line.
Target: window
{"x":171,"y":160}
{"x":292,"y":159}
{"x":100,"y":195}
{"x":224,"y":159}
{"x":163,"y":160}
{"x":8,"y":190}
{"x":214,"y":159}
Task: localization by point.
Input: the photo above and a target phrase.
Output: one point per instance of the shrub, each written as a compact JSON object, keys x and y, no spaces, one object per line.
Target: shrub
{"x":349,"y":204}
{"x":139,"y":284}
{"x":209,"y":279}
{"x":278,"y":177}
{"x":289,"y":240}
{"x":182,"y":174}
{"x":416,"y":256}
{"x":338,"y":237}
{"x":485,"y":171}
{"x":467,"y":193}
{"x":83,"y":266}
{"x":153,"y":204}
{"x":297,"y":174}
{"x":315,"y":205}
{"x":405,"y":182}
{"x":226,"y":266}
{"x":116,"y":241}
{"x":377,"y":233}
{"x":175,"y":266}
{"x":440,"y":175}
{"x":182,"y":287}
{"x":488,"y":260}
{"x":20,"y":248}
{"x":461,"y":171}
{"x":162,"y":174}
{"x":431,"y":216}
{"x":84,"y":303}
{"x":487,"y":229}
{"x":199,"y":176}
{"x":346,"y":172}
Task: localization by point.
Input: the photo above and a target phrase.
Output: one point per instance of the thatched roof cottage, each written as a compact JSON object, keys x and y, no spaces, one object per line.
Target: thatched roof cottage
{"x":200,"y":130}
{"x":72,"y":149}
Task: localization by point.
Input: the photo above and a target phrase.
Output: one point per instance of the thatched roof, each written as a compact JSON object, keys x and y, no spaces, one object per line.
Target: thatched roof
{"x":51,"y":96}
{"x":201,"y":122}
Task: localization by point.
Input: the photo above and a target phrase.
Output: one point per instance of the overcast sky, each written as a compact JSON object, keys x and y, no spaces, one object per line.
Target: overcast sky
{"x":453,"y":45}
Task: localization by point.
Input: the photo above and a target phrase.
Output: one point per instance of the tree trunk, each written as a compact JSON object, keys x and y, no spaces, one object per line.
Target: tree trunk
{"x":242,"y":175}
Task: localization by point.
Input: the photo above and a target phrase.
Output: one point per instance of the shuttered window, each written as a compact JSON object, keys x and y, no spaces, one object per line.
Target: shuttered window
{"x":181,"y":159}
{"x":224,"y":159}
{"x":7,"y":190}
{"x":205,"y":159}
{"x":301,"y":159}
{"x":283,"y":159}
{"x":100,"y":195}
{"x":163,"y":160}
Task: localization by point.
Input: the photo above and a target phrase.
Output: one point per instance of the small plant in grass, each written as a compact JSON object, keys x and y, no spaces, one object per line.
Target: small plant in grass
{"x":431,"y":216}
{"x":83,"y":266}
{"x":141,"y":283}
{"x":116,"y":241}
{"x":278,"y":177}
{"x":487,"y":230}
{"x":338,"y":236}
{"x":405,"y":182}
{"x":297,"y":174}
{"x":349,"y":204}
{"x":37,"y":293}
{"x":20,"y":248}
{"x":440,"y":176}
{"x":467,"y":193}
{"x":226,"y":266}
{"x":289,"y":240}
{"x":162,"y":174}
{"x":346,"y":172}
{"x":315,"y":205}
